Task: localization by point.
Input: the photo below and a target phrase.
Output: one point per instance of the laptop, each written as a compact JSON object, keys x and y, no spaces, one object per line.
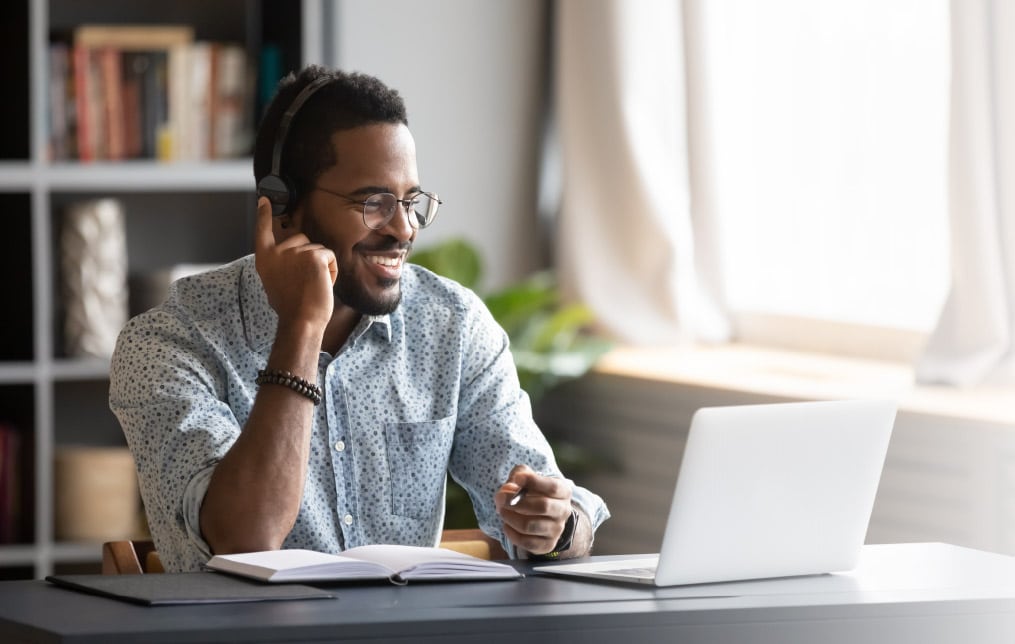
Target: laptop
{"x":772,"y":490}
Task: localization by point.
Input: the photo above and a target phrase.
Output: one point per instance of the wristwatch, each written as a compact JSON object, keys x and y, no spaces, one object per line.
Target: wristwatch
{"x":566,"y":537}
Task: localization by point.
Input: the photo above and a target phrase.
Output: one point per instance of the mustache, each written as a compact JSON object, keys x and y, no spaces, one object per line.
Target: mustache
{"x":386,"y":245}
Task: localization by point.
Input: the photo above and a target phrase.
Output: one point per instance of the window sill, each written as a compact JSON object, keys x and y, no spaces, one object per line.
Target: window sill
{"x":807,"y":376}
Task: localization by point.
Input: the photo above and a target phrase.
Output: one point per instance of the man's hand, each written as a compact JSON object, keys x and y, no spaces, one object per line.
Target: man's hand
{"x":298,"y":275}
{"x":536,"y":522}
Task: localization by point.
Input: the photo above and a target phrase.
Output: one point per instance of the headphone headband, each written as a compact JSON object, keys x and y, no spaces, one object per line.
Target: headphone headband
{"x":283,"y":125}
{"x":273,"y":186}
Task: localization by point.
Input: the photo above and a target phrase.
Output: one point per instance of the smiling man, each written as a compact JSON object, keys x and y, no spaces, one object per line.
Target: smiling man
{"x":317,"y":393}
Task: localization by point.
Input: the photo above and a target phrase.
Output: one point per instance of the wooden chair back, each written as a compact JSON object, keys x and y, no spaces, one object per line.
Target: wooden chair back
{"x":473,"y":542}
{"x":139,"y":556}
{"x":130,"y":558}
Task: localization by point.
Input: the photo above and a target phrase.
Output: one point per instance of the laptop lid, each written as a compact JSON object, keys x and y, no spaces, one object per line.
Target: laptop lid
{"x":771,"y":490}
{"x":775,"y":490}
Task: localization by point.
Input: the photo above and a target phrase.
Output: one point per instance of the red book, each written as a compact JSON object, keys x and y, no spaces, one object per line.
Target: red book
{"x":112,"y":102}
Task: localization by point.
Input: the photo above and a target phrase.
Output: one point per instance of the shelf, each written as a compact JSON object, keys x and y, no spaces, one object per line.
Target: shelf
{"x":150,"y":176}
{"x":17,"y":554}
{"x":128,"y":176}
{"x":80,"y":369}
{"x":20,"y":372}
{"x":24,"y":554}
{"x":74,"y":551}
{"x":63,"y":369}
{"x":17,"y":176}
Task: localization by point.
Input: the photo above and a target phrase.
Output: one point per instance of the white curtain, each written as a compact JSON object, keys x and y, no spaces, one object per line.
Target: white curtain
{"x":631,"y":242}
{"x":975,"y":335}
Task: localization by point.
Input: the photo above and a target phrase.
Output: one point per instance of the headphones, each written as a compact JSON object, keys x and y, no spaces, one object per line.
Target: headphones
{"x":278,"y":191}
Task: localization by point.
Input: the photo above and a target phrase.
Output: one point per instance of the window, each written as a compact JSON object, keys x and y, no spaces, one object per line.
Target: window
{"x":830,"y":131}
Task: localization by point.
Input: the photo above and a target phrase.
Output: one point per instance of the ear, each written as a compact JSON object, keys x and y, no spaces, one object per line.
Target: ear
{"x":284,"y":227}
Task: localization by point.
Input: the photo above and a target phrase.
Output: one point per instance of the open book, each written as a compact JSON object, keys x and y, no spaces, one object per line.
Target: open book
{"x":399,"y":564}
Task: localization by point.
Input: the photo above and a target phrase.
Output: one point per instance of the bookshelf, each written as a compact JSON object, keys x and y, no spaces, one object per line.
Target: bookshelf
{"x":175,"y":212}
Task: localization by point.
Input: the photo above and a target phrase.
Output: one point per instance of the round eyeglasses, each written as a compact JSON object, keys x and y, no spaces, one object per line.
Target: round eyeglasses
{"x":378,"y":209}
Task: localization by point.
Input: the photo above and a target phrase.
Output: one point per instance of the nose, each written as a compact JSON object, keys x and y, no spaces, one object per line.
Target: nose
{"x":398,"y":226}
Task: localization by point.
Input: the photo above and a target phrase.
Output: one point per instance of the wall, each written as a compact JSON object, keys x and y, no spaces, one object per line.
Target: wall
{"x":473,"y":74}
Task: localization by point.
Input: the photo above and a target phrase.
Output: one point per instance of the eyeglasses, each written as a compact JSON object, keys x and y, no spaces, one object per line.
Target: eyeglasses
{"x":378,"y":209}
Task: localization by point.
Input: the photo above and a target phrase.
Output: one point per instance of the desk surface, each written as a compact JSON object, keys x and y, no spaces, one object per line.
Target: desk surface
{"x":898,"y":593}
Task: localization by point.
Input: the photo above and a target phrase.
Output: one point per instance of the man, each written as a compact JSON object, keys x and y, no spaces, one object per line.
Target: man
{"x":316,"y":394}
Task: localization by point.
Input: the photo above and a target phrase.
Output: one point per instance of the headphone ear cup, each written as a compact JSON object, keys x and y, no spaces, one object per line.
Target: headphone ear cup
{"x":277,"y":191}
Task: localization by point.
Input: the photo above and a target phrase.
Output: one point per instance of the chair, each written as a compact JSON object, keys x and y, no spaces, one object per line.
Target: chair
{"x":473,"y":542}
{"x":130,"y":558}
{"x":139,"y":557}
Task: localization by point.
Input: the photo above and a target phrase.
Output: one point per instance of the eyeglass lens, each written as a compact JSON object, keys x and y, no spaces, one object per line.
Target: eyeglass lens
{"x":380,"y":208}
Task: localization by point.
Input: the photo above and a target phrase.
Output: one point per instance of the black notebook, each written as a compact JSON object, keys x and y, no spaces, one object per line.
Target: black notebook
{"x":184,"y":588}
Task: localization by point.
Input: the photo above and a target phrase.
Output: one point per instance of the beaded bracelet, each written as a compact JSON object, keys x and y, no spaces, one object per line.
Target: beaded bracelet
{"x":286,"y":379}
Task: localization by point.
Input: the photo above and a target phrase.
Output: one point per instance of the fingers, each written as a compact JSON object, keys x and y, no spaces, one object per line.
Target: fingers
{"x":298,"y":275}
{"x":333,"y":267}
{"x":264,"y":238}
{"x":519,"y":476}
{"x":536,"y":522}
{"x":535,"y":539}
{"x":538,"y":489}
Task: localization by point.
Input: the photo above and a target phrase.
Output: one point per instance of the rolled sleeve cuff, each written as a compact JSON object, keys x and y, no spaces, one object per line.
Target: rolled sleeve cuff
{"x":192,"y":499}
{"x":591,"y":504}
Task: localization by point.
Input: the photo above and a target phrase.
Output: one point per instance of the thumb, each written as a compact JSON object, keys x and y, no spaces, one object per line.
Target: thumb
{"x":264,"y":238}
{"x":333,"y":268}
{"x":519,"y":475}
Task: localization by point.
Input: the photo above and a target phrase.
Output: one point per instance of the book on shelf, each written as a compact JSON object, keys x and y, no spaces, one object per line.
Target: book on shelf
{"x":10,"y":484}
{"x":86,"y":103}
{"x":396,"y":563}
{"x":148,"y":91}
{"x":232,"y":98}
{"x":133,"y":37}
{"x":62,"y":113}
{"x":111,"y":100}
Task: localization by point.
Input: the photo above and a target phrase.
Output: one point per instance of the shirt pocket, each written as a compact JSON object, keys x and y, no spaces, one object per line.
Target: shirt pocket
{"x":418,"y":461}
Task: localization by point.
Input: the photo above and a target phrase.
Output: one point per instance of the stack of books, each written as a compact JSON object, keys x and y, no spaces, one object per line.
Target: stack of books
{"x":148,"y":91}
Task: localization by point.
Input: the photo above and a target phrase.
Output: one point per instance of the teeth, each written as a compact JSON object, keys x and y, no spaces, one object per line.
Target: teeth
{"x":386,"y":261}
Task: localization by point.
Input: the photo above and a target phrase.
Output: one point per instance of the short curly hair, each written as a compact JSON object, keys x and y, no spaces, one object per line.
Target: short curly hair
{"x":346,"y":101}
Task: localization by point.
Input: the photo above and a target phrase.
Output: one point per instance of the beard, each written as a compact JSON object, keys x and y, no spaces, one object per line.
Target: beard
{"x":351,"y":291}
{"x":351,"y":287}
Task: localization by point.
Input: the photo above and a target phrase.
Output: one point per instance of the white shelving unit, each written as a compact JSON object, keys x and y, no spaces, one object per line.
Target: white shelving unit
{"x":176,"y":213}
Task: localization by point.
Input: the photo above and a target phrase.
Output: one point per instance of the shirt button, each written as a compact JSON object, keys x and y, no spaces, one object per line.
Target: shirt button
{"x":348,"y":519}
{"x":340,"y":446}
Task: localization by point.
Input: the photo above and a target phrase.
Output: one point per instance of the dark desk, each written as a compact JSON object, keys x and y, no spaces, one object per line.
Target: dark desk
{"x":926,"y":593}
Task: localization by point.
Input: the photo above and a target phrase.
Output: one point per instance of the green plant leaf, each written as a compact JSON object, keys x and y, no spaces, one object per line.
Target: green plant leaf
{"x":513,"y":307}
{"x":548,"y":339}
{"x":456,"y":259}
{"x":558,"y":332}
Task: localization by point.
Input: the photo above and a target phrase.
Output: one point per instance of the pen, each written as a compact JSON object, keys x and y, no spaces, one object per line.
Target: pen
{"x":519,"y":495}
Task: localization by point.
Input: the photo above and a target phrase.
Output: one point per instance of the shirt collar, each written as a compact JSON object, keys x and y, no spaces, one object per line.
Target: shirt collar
{"x":381,"y":325}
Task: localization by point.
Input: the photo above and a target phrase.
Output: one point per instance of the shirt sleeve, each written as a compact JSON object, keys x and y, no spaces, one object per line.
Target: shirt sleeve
{"x":165,"y":391}
{"x":495,"y":429}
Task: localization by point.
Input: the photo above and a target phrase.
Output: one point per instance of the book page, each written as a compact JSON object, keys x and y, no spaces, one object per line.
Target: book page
{"x":298,"y":565}
{"x":413,"y":562}
{"x":395,"y":562}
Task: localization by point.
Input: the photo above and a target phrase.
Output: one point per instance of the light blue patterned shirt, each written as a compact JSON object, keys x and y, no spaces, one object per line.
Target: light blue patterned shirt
{"x":424,"y":391}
